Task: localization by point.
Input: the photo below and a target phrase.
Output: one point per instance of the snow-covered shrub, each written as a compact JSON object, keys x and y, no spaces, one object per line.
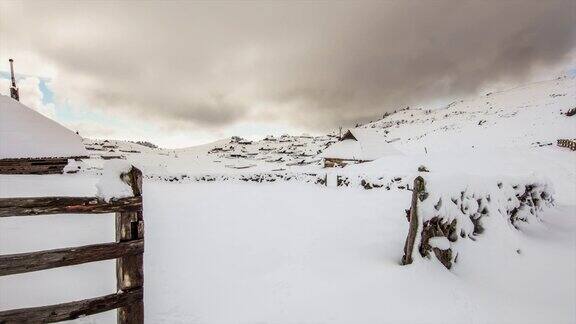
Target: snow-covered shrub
{"x":450,"y":213}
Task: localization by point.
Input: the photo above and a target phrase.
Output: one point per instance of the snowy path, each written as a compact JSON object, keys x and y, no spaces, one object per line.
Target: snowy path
{"x":297,"y":253}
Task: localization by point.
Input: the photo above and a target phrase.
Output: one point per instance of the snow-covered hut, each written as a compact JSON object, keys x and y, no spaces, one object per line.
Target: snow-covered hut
{"x":31,"y":143}
{"x":358,"y":145}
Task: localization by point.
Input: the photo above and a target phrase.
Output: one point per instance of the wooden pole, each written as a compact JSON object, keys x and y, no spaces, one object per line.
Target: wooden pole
{"x":413,"y":229}
{"x":130,"y":269}
{"x":14,"y":93}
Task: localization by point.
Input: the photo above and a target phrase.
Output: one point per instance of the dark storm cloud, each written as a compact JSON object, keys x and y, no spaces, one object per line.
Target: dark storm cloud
{"x":317,"y":64}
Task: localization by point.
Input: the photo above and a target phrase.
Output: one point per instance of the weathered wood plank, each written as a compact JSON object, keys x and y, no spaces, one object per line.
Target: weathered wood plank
{"x":33,"y":169}
{"x":72,"y":310}
{"x":413,"y":229}
{"x":54,"y":165}
{"x":66,"y":205}
{"x":34,"y":261}
{"x":129,"y":269}
{"x":26,"y":160}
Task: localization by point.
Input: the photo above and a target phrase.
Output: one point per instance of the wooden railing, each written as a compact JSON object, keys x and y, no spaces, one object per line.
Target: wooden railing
{"x":54,"y":165}
{"x":571,"y":144}
{"x":127,"y":250}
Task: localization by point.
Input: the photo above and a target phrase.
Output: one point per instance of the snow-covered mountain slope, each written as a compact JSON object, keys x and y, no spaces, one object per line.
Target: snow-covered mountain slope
{"x":269,"y":154}
{"x":232,"y":155}
{"x":525,"y":116}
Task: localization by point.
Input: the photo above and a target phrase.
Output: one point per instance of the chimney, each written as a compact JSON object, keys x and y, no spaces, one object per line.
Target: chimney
{"x":13,"y":89}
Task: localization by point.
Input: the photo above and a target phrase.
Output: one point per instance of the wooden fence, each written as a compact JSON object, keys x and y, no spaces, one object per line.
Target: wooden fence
{"x":36,"y":165}
{"x":127,"y":250}
{"x":571,"y":144}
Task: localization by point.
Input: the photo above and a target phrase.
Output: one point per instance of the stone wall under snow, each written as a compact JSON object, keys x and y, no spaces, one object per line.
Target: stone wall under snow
{"x":446,"y":216}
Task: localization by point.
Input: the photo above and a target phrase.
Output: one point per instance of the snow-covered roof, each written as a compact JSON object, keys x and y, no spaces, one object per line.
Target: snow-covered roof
{"x":361,"y":144}
{"x":25,"y":133}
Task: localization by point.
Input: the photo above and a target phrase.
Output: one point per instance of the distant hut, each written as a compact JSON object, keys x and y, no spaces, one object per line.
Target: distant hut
{"x":31,"y":143}
{"x":358,"y":145}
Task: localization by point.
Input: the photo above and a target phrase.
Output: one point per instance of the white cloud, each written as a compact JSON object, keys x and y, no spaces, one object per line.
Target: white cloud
{"x":30,"y":95}
{"x":95,"y":130}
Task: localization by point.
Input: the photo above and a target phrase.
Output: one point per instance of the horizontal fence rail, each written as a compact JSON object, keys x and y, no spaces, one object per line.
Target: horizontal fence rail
{"x":73,"y":310}
{"x":34,"y":261}
{"x":36,"y":165}
{"x":66,"y":205}
{"x":128,"y":250}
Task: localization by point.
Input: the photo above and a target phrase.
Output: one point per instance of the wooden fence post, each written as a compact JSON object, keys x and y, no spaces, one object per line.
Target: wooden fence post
{"x":413,"y":230}
{"x":130,"y":269}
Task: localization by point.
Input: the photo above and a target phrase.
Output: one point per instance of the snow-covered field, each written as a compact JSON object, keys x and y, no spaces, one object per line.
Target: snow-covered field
{"x":233,"y":251}
{"x":297,"y":253}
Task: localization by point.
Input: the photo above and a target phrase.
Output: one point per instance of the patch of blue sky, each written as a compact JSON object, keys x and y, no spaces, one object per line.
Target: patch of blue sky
{"x":70,"y":115}
{"x":47,"y":94}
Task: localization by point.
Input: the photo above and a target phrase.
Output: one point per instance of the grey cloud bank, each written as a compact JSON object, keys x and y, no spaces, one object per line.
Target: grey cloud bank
{"x":315,"y":64}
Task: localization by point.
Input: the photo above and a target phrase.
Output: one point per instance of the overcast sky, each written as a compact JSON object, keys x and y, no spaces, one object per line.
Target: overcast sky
{"x":183,"y":73}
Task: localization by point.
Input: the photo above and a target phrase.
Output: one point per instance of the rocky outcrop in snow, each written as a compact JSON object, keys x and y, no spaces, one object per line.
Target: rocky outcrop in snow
{"x":444,"y":218}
